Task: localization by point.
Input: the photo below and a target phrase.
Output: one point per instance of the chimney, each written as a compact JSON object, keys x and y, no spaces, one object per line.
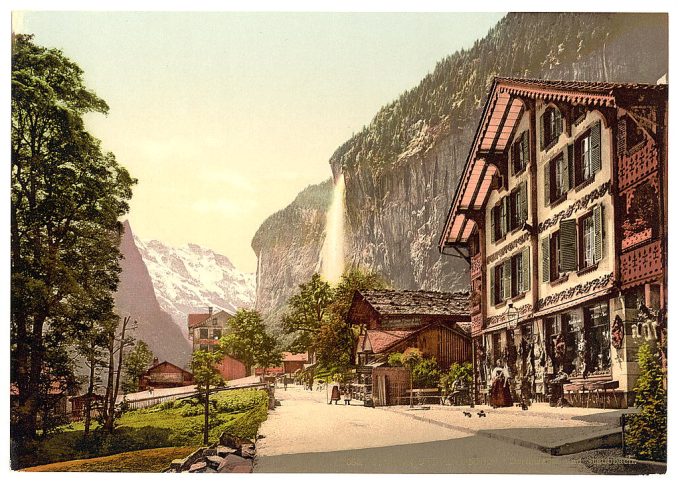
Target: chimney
{"x":210,"y":310}
{"x":155,"y":361}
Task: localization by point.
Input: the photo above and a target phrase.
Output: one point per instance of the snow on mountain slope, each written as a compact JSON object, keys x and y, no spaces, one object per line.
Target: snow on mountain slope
{"x":191,"y":278}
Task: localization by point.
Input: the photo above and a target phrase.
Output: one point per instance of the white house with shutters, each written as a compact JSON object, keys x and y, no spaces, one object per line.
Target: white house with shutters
{"x":561,"y":212}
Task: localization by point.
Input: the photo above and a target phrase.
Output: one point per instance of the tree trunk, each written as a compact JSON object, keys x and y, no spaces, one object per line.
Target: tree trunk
{"x":410,"y":397}
{"x":206,"y":414}
{"x":112,"y":406}
{"x":88,"y":398}
{"x":109,"y":381}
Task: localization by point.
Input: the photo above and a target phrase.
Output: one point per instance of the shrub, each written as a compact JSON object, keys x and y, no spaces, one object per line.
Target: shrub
{"x":647,"y":430}
{"x":462,"y":373}
{"x":426,"y":374}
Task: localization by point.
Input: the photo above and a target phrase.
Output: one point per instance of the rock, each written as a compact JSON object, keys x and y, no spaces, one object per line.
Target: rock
{"x":209,"y":451}
{"x":245,"y":468}
{"x":233,"y":441}
{"x":213,"y":461}
{"x":176,"y":464}
{"x":223,"y":451}
{"x":247,"y":451}
{"x":232,"y":461}
{"x":197,"y":466}
{"x":208,"y":470}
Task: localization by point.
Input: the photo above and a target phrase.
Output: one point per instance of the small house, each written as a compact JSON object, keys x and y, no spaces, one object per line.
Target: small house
{"x":165,"y":375}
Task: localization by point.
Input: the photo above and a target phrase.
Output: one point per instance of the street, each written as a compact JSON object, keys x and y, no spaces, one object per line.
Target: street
{"x":305,"y":434}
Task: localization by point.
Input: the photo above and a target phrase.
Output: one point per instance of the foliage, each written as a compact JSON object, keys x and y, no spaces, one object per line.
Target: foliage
{"x":203,"y":368}
{"x":426,"y":373}
{"x":306,"y":311}
{"x":137,"y":362}
{"x":647,"y":432}
{"x":460,"y":374}
{"x":164,"y":425}
{"x":67,"y":196}
{"x":394,"y":359}
{"x":352,"y":280}
{"x":249,"y":341}
{"x":149,"y":460}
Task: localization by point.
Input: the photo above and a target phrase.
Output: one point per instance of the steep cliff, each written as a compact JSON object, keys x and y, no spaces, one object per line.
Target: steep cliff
{"x":136,"y":297}
{"x":402,"y":168}
{"x":288,"y":245}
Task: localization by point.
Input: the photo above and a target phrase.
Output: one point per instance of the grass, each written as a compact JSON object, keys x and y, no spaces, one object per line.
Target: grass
{"x":148,"y":460}
{"x":177,"y":423}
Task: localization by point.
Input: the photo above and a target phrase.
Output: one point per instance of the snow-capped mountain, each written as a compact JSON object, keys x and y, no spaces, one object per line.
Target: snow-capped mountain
{"x":191,"y":278}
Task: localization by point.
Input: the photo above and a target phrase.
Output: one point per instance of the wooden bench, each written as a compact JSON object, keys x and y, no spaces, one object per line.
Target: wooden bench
{"x":422,"y":395}
{"x":587,"y":389}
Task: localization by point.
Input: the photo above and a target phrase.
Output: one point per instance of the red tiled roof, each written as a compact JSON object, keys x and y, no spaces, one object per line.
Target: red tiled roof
{"x":194,"y":319}
{"x":382,"y":340}
{"x":295,"y":357}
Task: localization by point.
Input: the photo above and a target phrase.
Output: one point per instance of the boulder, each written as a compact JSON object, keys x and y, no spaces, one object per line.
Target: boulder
{"x":208,"y":470}
{"x":213,"y":461}
{"x":223,"y":451}
{"x":198,"y":466}
{"x":231,"y":462}
{"x":233,"y":441}
{"x":247,"y":451}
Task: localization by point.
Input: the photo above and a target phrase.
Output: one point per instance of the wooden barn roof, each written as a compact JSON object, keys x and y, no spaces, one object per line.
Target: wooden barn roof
{"x":294,"y":357}
{"x":415,"y":302}
{"x":381,"y":340}
{"x":503,"y":109}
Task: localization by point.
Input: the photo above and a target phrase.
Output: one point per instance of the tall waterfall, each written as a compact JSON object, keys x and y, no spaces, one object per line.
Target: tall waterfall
{"x":333,"y":250}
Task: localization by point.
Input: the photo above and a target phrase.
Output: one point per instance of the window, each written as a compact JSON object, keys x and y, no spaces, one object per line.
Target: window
{"x":214,"y":321}
{"x":598,"y":338}
{"x":587,"y":155}
{"x":203,"y":347}
{"x":550,"y":127}
{"x":204,"y":333}
{"x":496,"y":347}
{"x":578,"y":114}
{"x":558,"y":177}
{"x":510,"y":212}
{"x":587,"y":253}
{"x":510,"y":278}
{"x":565,"y":331}
{"x":575,"y":246}
{"x":520,"y":153}
{"x":217,"y":333}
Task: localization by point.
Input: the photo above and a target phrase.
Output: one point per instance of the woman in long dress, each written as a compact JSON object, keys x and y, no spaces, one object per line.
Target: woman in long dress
{"x":500,"y":387}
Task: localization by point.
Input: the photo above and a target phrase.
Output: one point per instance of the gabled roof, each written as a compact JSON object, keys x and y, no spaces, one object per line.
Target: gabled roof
{"x":167,"y":363}
{"x":414,"y":302}
{"x":295,"y":357}
{"x":196,"y":320}
{"x":381,"y":340}
{"x":504,"y":107}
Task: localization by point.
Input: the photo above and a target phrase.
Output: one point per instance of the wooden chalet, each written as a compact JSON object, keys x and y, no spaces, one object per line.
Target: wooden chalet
{"x":165,"y":375}
{"x":293,"y":362}
{"x":436,"y":323}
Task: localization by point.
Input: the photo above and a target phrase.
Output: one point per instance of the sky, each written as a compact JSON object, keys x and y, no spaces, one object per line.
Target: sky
{"x":224,"y":117}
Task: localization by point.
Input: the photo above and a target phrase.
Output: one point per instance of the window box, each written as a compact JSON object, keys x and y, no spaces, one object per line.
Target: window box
{"x":636,"y":239}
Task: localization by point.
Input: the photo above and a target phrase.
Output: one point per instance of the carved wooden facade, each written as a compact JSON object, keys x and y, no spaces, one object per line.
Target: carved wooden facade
{"x":583,"y":244}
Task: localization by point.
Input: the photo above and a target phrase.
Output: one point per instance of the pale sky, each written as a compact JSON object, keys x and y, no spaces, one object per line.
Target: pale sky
{"x":225,"y":117}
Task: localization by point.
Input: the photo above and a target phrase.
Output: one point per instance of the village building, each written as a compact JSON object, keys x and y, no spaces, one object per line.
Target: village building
{"x":561,"y":211}
{"x":206,"y":329}
{"x":165,"y":375}
{"x":293,"y":362}
{"x":391,"y":321}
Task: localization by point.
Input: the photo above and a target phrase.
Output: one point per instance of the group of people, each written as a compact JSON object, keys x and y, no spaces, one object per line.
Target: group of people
{"x":336,"y":391}
{"x":500,"y":387}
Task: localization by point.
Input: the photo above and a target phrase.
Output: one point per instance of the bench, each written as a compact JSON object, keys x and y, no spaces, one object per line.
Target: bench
{"x":422,"y":395}
{"x":596,"y":389}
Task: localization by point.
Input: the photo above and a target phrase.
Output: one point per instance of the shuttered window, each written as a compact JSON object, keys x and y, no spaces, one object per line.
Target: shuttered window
{"x":520,"y":153}
{"x":545,"y":259}
{"x":551,"y":126}
{"x":520,"y":272}
{"x":598,"y":232}
{"x":568,"y":255}
{"x":493,"y":291}
{"x":507,"y":279}
{"x":588,"y":157}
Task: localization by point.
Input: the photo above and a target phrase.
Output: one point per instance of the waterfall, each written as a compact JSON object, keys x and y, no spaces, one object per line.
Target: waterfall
{"x":333,"y":250}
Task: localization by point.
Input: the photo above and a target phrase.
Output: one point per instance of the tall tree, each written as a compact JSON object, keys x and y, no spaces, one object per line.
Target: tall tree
{"x":248,"y":340}
{"x":306,"y":311}
{"x":66,"y":198}
{"x":136,"y":363}
{"x":203,"y":366}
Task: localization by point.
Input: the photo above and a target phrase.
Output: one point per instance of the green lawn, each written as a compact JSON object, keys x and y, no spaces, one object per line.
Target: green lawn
{"x":177,"y":423}
{"x":148,"y":460}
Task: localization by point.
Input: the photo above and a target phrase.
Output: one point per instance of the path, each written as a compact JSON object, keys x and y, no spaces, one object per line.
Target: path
{"x":305,"y":434}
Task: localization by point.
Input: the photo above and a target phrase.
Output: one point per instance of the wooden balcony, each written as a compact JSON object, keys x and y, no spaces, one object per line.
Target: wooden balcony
{"x":642,"y":264}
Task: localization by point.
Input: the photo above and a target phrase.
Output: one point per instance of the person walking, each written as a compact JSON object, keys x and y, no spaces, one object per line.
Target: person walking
{"x":335,"y":394}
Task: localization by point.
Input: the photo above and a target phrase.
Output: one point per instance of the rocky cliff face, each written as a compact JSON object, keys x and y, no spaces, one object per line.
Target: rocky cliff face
{"x":402,"y":169}
{"x":136,"y":297}
{"x":288,"y":245}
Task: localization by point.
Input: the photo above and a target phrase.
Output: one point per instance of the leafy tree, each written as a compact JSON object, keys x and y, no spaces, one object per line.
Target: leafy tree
{"x":333,"y":344}
{"x":458,"y":373}
{"x":352,"y":280}
{"x":206,"y":375}
{"x":647,"y":434}
{"x":426,"y":374}
{"x":66,"y":199}
{"x":306,"y":311}
{"x":137,"y":361}
{"x":270,"y":353}
{"x":248,"y":340}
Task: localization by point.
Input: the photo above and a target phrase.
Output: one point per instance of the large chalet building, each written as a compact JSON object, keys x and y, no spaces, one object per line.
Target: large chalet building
{"x":561,"y":211}
{"x":206,"y":329}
